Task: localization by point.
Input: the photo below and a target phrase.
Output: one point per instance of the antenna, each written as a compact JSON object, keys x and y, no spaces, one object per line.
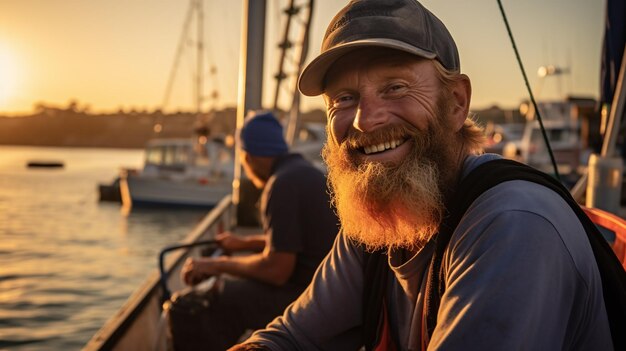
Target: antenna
{"x":553,"y":71}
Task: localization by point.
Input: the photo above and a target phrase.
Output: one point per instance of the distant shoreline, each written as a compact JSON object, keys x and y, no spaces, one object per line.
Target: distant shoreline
{"x":56,"y":127}
{"x":51,"y":126}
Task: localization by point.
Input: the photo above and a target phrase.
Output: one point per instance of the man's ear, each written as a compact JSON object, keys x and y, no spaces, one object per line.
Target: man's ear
{"x":461,"y":97}
{"x":245,"y":158}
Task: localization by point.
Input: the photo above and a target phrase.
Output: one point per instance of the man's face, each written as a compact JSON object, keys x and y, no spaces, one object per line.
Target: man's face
{"x":370,"y":91}
{"x":391,"y":142}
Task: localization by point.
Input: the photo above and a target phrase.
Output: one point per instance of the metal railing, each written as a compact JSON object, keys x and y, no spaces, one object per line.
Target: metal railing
{"x":136,"y":322}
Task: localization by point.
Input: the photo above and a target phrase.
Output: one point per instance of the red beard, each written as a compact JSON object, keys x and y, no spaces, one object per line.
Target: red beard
{"x":392,"y":205}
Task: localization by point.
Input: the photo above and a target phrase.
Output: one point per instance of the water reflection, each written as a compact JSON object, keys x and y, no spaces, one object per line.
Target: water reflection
{"x":67,"y":262}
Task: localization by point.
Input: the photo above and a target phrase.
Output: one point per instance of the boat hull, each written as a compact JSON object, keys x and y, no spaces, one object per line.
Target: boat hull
{"x":138,"y":190}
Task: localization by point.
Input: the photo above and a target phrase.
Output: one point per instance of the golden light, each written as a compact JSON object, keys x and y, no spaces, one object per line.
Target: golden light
{"x":8,"y":76}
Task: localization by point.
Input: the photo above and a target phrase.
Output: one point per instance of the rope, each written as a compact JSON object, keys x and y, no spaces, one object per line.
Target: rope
{"x":182,"y":41}
{"x":530,"y":92}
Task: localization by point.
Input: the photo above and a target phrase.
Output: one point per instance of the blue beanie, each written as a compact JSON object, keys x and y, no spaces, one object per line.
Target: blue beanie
{"x":262,"y":135}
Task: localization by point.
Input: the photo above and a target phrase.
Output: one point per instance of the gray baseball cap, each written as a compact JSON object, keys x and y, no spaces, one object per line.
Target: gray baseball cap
{"x":403,"y":25}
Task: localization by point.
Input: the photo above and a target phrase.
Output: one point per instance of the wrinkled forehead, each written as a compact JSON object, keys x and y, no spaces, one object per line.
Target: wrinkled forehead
{"x":370,"y":60}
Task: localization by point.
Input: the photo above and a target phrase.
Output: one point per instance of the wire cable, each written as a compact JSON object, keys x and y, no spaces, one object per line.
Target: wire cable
{"x":530,"y":93}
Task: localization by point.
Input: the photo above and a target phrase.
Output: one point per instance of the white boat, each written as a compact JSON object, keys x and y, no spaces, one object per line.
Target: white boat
{"x":180,"y":172}
{"x":562,"y":121}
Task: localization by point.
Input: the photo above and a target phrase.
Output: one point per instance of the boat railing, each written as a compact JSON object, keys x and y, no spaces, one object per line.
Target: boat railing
{"x":135,"y":326}
{"x":163,"y":272}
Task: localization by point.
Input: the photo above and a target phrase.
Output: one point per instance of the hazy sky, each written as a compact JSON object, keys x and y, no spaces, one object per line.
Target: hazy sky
{"x":113,"y":54}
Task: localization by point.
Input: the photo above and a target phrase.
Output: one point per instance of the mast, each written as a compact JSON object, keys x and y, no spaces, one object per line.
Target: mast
{"x":284,"y":45}
{"x":250,"y":73}
{"x":179,"y":52}
{"x":616,"y":114}
{"x":196,"y":10}
{"x":294,"y":111}
{"x":298,"y":58}
{"x":600,"y":192}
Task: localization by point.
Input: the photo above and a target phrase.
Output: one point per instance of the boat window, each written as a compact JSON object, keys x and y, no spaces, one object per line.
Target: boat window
{"x":556,"y":134}
{"x":167,"y":155}
{"x":202,"y":154}
{"x":154,"y":155}
{"x":225,"y":156}
{"x":181,"y":154}
{"x":175,"y":155}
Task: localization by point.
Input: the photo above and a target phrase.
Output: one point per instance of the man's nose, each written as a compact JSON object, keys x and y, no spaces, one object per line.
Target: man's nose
{"x":370,"y":115}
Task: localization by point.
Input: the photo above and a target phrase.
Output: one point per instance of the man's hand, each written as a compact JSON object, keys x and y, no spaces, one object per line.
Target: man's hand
{"x":196,"y":270}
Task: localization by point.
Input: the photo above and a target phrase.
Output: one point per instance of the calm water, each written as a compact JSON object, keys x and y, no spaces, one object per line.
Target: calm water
{"x":67,"y":262}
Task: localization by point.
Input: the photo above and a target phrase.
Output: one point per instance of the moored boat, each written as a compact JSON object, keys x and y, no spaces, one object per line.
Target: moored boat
{"x":110,"y":192}
{"x":179,"y":172}
{"x":45,"y":164}
{"x":569,"y":124}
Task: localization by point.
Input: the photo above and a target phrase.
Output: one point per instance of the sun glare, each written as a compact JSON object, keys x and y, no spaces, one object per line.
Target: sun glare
{"x":8,"y":76}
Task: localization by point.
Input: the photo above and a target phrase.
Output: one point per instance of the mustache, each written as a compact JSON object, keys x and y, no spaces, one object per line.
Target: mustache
{"x":385,"y":204}
{"x":355,"y":139}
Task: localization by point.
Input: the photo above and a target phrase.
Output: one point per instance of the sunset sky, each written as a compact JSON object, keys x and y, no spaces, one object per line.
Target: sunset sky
{"x":112,"y":54}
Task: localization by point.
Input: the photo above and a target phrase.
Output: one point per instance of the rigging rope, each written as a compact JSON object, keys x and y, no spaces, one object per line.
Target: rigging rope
{"x":530,"y":92}
{"x":182,"y":41}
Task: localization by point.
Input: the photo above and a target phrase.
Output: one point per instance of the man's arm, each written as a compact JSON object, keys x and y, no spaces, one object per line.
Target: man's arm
{"x":231,"y":242}
{"x":249,"y":347}
{"x":328,"y":314}
{"x":269,"y":267}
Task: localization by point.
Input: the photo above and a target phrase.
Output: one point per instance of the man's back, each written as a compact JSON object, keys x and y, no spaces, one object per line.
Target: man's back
{"x":299,"y":228}
{"x":298,"y":216}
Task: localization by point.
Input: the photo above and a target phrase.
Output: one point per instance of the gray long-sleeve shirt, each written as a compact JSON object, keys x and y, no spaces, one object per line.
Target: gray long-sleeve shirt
{"x":520,"y":275}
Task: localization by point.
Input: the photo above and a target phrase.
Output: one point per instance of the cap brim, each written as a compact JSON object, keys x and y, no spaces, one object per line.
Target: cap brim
{"x":311,"y":81}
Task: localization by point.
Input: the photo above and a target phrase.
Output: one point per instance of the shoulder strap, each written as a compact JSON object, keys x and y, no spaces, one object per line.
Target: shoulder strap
{"x":493,"y":173}
{"x":375,"y":271}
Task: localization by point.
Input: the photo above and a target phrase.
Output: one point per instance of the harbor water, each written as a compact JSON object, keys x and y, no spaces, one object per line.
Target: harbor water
{"x":68,"y":262}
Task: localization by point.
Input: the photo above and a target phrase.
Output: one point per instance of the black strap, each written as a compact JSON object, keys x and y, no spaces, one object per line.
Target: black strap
{"x":376,"y":270}
{"x":493,"y":173}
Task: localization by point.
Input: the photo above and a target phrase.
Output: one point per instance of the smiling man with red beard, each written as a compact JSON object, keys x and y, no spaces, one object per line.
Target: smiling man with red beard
{"x":395,"y":149}
{"x":513,"y":271}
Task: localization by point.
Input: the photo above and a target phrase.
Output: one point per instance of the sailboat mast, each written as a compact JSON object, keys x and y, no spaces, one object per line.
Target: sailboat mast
{"x":284,"y":45}
{"x":294,"y":110}
{"x":250,"y":85}
{"x":200,"y":55}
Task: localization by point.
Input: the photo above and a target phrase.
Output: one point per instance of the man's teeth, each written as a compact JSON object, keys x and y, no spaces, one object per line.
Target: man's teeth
{"x":382,"y":146}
